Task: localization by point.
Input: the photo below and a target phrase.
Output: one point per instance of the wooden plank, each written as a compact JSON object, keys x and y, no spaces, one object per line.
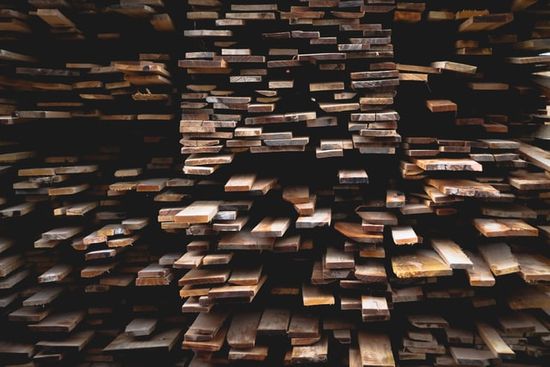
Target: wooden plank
{"x":533,"y":267}
{"x":441,"y":105}
{"x":494,"y":341}
{"x":163,"y":340}
{"x":242,"y":331}
{"x":452,"y":254}
{"x":499,"y":257}
{"x":316,"y":296}
{"x":374,"y":308}
{"x":404,"y":235}
{"x":303,"y":326}
{"x":504,"y":228}
{"x":316,"y":353}
{"x":422,"y":263}
{"x":240,"y":182}
{"x":43,"y":297}
{"x":375,"y":349}
{"x":536,"y":155}
{"x":271,"y":227}
{"x":198,"y":212}
{"x":479,"y":275}
{"x":61,"y":322}
{"x":274,"y":321}
{"x":55,"y":274}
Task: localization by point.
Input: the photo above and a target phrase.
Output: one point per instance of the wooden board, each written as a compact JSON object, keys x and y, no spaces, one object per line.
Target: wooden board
{"x":375,"y":349}
{"x":499,"y":257}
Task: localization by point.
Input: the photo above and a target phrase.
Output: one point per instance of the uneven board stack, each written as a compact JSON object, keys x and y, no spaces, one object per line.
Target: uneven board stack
{"x":472,"y":113}
{"x":77,"y":20}
{"x":77,"y":239}
{"x":123,"y":90}
{"x":287,"y":78}
{"x":304,"y":256}
{"x":302,"y":182}
{"x":39,"y":85}
{"x":89,"y":133}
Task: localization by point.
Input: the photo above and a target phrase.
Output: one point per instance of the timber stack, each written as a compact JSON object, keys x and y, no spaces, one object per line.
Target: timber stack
{"x":299,"y":182}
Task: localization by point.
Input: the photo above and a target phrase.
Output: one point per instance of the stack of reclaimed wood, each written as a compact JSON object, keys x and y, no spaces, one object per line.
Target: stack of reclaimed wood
{"x":89,"y":113}
{"x":282,"y":77}
{"x":120,"y":91}
{"x":300,"y":81}
{"x":397,"y":216}
{"x":40,"y":84}
{"x":472,"y":116}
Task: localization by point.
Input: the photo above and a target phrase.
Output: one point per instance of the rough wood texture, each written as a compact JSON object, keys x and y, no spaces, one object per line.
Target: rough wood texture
{"x":214,"y":183}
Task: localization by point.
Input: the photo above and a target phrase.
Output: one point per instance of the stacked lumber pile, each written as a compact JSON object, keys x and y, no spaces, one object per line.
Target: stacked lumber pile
{"x":73,"y":20}
{"x":40,"y":83}
{"x":77,"y":254}
{"x":305,"y":82}
{"x":85,"y":143}
{"x":119,"y":91}
{"x":471,"y":109}
{"x":269,"y":70}
{"x":397,"y":215}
